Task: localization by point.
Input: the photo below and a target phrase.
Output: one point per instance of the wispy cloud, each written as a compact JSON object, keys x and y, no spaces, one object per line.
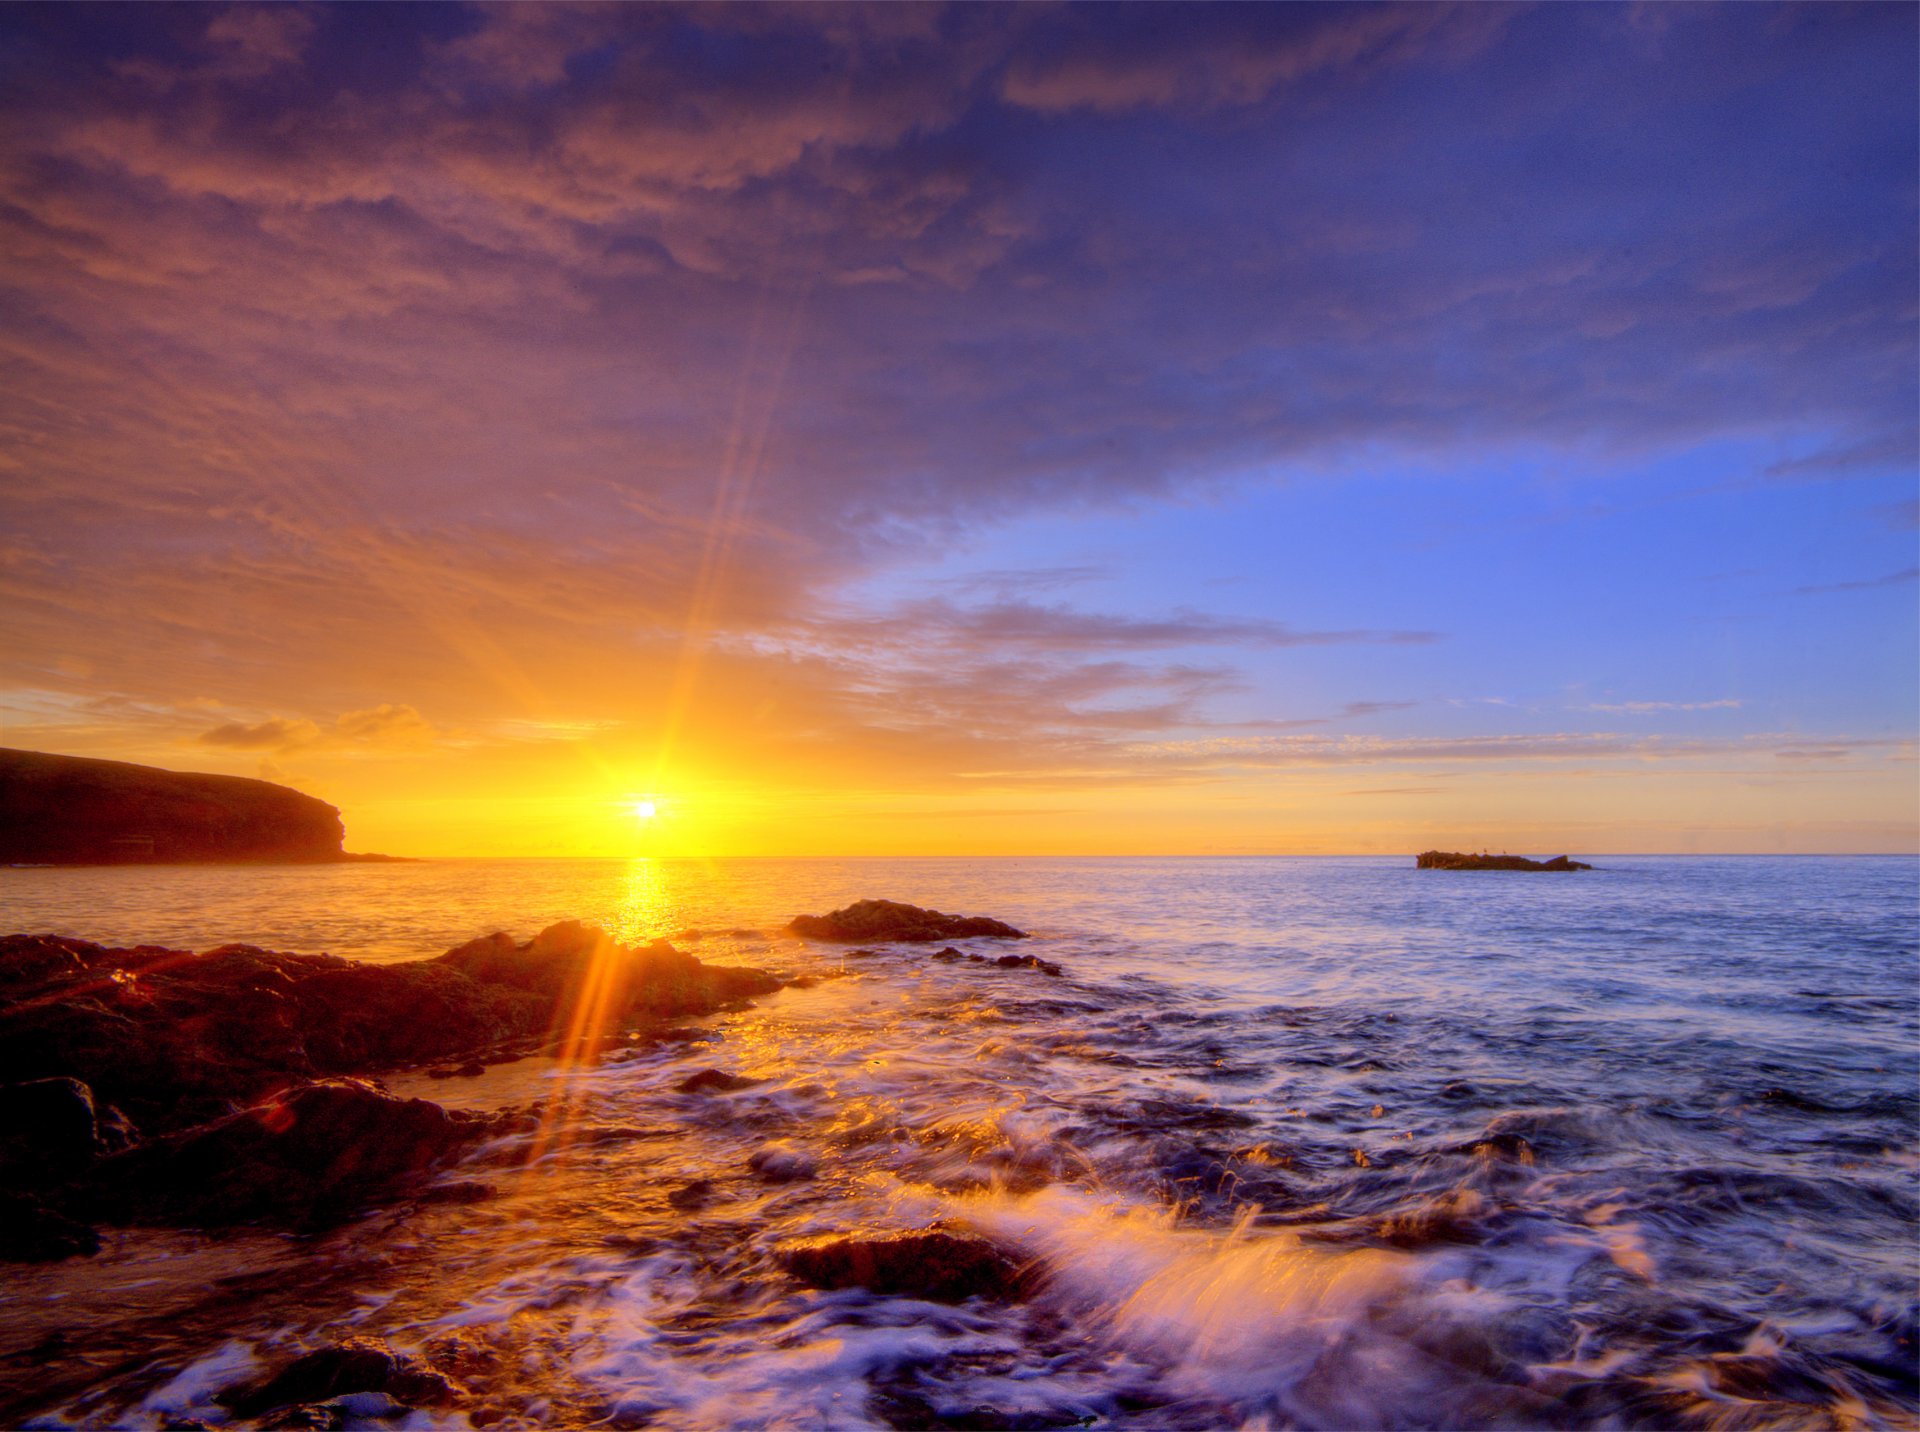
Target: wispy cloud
{"x":386,"y":726}
{"x":1648,"y":708}
{"x":1892,"y":579}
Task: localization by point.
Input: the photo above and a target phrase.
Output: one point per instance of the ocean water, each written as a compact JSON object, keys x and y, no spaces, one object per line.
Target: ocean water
{"x":1327,"y":1143}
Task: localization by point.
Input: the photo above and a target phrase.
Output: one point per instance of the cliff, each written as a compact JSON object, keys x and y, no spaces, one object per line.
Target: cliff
{"x":69,"y":810}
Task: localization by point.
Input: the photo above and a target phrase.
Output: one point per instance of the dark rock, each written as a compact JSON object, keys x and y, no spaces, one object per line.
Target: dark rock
{"x":30,"y":1232}
{"x":1028,"y":962}
{"x":356,"y":1365}
{"x":1455,"y":860}
{"x":948,"y":955}
{"x":564,"y":962}
{"x":312,"y":1156}
{"x":934,"y":1264}
{"x":73,"y":810}
{"x":48,"y":1130}
{"x":697,"y":1194}
{"x":176,"y":1038}
{"x":716,"y":1081}
{"x":891,"y":920}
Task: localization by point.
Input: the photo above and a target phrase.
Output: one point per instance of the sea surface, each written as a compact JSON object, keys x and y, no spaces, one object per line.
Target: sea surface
{"x":1313,"y":1143}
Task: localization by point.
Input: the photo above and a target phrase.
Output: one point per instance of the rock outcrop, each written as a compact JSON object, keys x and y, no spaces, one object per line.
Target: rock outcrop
{"x":161,"y":1086}
{"x":1454,"y":860}
{"x":931,"y":1263}
{"x":891,"y":920}
{"x":70,"y":810}
{"x":358,"y":1365}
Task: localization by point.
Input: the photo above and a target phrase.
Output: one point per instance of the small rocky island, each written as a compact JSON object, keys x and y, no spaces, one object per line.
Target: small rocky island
{"x":73,"y":810}
{"x":1456,"y":860}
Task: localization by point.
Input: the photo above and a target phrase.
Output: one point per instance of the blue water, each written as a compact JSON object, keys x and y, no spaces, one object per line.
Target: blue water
{"x":1293,"y":1143}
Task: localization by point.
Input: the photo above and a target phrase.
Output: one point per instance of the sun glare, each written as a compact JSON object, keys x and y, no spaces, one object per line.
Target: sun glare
{"x":645,"y":810}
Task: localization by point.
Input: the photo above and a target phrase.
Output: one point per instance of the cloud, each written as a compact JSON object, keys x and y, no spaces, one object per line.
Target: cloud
{"x":387,"y":725}
{"x":277,"y":733}
{"x":1062,"y":629}
{"x":553,"y":353}
{"x":1892,"y":579}
{"x":1648,"y":708}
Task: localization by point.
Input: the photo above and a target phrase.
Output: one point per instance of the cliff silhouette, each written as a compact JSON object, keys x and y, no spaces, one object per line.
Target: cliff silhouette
{"x":72,"y":810}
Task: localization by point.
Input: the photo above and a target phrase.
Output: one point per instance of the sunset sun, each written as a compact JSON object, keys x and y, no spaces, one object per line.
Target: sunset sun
{"x":645,"y":810}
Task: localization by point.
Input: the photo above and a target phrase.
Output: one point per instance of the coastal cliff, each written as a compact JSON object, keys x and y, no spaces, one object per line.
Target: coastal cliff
{"x":71,"y":810}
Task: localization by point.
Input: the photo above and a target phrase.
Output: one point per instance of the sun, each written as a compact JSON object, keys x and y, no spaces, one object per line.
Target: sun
{"x":645,"y":810}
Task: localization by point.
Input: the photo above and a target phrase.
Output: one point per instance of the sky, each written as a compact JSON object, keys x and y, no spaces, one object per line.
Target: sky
{"x":922,"y":429}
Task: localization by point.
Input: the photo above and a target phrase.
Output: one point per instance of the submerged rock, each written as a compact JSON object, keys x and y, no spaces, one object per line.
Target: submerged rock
{"x":1028,"y":962}
{"x":1455,"y":860}
{"x":781,"y":1162}
{"x":892,"y":920}
{"x":717,"y":1081}
{"x":932,"y":1263}
{"x":346,"y":1369}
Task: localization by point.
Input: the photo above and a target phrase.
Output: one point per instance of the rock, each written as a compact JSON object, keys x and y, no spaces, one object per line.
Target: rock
{"x":358,"y":1365}
{"x":176,"y":1038}
{"x":933,"y":1264}
{"x":74,"y":810}
{"x":564,"y":962}
{"x":715,"y":1081}
{"x":48,"y":1130}
{"x":697,"y":1194}
{"x":30,"y":1232}
{"x":1028,"y":962}
{"x":948,"y":955}
{"x":1455,"y":860}
{"x":309,"y":1157}
{"x":891,"y":920}
{"x":781,"y":1162}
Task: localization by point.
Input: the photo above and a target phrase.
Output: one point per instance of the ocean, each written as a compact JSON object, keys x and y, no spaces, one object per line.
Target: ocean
{"x":1313,"y":1143}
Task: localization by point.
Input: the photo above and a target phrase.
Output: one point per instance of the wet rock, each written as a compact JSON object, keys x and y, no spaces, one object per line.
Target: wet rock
{"x":697,"y":1194}
{"x":715,"y":1081}
{"x":933,"y":1264}
{"x":891,"y":920}
{"x":1028,"y":962}
{"x":564,"y":961}
{"x":781,"y":1162}
{"x":31,"y":1232}
{"x":1456,"y":860}
{"x":176,"y":1038}
{"x":357,"y":1365}
{"x":948,"y":955}
{"x":310,"y":1156}
{"x":48,"y":1130}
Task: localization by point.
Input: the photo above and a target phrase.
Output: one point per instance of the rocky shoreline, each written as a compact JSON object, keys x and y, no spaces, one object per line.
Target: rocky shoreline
{"x":150,"y":1086}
